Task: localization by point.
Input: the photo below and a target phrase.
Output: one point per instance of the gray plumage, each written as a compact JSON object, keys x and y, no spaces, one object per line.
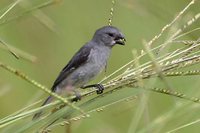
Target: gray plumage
{"x":88,"y":62}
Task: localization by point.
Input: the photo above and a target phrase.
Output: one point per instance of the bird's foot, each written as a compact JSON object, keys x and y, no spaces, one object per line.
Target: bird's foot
{"x":100,"y":87}
{"x":77,"y":97}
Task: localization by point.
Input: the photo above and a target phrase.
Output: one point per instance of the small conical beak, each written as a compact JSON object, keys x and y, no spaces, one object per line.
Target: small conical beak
{"x":120,"y":41}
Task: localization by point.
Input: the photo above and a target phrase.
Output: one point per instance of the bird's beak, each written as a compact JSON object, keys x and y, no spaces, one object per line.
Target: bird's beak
{"x":120,"y":41}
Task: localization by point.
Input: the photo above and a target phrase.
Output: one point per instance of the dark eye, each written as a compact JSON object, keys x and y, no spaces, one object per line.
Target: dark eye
{"x":111,"y":34}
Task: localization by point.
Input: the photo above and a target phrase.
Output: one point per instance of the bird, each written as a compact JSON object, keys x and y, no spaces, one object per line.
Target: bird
{"x":88,"y":62}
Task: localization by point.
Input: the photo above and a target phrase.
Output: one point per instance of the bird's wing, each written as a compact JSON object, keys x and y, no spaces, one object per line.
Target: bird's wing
{"x":77,"y":60}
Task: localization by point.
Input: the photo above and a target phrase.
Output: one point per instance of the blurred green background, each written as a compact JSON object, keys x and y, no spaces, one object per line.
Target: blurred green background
{"x":56,"y":32}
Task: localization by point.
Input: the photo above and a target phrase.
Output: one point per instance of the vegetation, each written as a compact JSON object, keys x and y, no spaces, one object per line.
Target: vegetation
{"x":151,"y":86}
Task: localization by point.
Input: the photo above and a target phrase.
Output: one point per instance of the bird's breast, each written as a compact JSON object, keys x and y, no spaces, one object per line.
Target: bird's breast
{"x":99,"y":57}
{"x":96,"y":62}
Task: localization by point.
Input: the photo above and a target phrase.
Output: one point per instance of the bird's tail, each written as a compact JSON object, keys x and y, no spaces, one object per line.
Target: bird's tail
{"x":47,"y":101}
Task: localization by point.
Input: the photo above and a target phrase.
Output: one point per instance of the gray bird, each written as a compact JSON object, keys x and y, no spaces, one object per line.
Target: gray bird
{"x":87,"y":63}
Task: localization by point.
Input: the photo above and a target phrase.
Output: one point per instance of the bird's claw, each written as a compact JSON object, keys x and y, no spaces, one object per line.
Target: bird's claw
{"x":77,"y":98}
{"x":100,"y":88}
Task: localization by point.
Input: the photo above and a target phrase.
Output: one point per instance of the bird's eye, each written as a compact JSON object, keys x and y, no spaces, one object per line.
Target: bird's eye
{"x":111,"y":34}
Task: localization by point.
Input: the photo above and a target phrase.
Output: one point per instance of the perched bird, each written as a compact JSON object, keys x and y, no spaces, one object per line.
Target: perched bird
{"x":87,"y":63}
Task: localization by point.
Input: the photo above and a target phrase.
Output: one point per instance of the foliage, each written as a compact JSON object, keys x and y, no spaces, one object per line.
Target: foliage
{"x":167,"y":56}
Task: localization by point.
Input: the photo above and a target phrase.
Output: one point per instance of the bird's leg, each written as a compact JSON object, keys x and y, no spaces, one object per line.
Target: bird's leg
{"x":77,"y":96}
{"x":71,"y":91}
{"x":100,"y":87}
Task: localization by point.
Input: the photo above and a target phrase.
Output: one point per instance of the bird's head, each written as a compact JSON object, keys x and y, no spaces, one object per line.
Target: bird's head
{"x":109,"y":36}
